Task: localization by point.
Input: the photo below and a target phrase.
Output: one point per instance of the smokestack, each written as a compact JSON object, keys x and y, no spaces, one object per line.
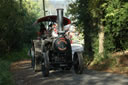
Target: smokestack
{"x":60,"y":20}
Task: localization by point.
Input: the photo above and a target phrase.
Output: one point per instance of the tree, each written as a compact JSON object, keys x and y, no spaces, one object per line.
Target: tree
{"x":16,"y":24}
{"x":87,"y":16}
{"x":116,"y":25}
{"x":104,"y":23}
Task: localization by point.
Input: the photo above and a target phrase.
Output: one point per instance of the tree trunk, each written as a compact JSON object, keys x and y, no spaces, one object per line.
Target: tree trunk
{"x":21,"y":4}
{"x":101,"y":40}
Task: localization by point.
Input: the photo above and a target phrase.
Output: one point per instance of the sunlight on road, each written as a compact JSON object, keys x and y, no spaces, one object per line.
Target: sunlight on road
{"x":26,"y":76}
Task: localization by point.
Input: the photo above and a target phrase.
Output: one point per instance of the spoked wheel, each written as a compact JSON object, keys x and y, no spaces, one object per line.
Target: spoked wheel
{"x":32,"y":57}
{"x":37,"y":64}
{"x":45,"y":64}
{"x":35,"y":60}
{"x":78,"y":63}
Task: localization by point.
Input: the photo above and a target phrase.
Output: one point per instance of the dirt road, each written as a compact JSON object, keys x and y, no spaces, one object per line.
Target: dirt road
{"x":24,"y":75}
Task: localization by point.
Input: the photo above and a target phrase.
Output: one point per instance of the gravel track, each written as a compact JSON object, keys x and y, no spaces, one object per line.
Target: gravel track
{"x":23,"y":74}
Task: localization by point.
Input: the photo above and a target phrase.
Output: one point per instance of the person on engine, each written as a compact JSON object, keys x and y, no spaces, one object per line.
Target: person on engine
{"x":42,"y":32}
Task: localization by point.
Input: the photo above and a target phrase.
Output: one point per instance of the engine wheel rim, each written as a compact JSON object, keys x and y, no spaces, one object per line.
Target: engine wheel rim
{"x":76,"y":65}
{"x":45,"y":66}
{"x":33,"y":57}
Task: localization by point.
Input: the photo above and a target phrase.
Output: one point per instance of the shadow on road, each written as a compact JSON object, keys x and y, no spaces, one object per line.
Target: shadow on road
{"x":24,"y":75}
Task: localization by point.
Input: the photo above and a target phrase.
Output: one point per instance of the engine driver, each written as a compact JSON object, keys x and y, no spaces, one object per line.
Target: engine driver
{"x":43,"y":31}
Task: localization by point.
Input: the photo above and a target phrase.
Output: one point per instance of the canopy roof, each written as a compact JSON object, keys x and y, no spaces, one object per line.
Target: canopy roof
{"x":53,"y":18}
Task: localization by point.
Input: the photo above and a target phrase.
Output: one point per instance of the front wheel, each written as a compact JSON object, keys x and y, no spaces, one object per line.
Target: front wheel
{"x":78,"y":63}
{"x":45,"y":65}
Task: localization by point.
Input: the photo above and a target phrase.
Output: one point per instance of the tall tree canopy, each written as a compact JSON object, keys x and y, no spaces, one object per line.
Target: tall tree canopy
{"x":16,"y":21}
{"x":104,"y":23}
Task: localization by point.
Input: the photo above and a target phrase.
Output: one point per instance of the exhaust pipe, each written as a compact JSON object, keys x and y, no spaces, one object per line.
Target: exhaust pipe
{"x":60,"y":20}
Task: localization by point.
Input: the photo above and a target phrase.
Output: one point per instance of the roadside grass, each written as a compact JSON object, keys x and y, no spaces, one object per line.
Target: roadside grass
{"x":6,"y":77}
{"x":116,"y":63}
{"x":17,"y":55}
{"x":5,"y":74}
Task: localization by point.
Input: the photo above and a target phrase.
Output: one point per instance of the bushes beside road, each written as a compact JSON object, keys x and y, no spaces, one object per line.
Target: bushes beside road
{"x":5,"y":74}
{"x":5,"y":63}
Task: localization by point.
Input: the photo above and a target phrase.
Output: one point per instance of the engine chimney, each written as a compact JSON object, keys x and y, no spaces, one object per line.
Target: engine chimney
{"x":60,"y":20}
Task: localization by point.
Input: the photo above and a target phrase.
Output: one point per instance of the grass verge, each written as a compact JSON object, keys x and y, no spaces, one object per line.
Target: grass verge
{"x":5,"y":63}
{"x":5,"y":74}
{"x":116,"y":63}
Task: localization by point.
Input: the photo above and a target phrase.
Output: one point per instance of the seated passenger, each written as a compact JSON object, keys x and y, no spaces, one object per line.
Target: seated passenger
{"x":42,"y":32}
{"x":42,"y":29}
{"x":54,"y":31}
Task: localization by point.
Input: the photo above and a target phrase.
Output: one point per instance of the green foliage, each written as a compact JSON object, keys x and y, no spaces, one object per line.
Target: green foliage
{"x":116,"y":25}
{"x":5,"y":62}
{"x":16,"y":21}
{"x":88,"y":14}
{"x":86,"y":18}
{"x":17,"y":55}
{"x":5,"y":75}
{"x":16,"y":30}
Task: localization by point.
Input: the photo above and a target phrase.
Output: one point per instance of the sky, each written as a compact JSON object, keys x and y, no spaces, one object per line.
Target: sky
{"x":58,"y":4}
{"x":54,"y":1}
{"x":52,"y":5}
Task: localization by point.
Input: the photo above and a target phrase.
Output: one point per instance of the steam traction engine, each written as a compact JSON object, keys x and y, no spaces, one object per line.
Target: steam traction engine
{"x":56,"y":52}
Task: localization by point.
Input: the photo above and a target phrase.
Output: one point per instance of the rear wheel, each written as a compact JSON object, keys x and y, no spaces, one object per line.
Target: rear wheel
{"x":36,"y":58}
{"x":37,"y":64}
{"x":45,"y":64}
{"x":78,"y":63}
{"x":32,"y":57}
